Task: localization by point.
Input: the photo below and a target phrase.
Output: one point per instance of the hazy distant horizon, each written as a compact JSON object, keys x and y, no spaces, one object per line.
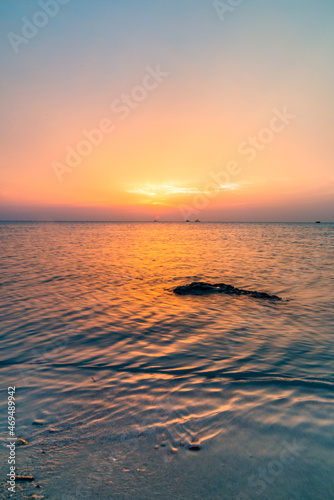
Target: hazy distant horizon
{"x":170,"y":221}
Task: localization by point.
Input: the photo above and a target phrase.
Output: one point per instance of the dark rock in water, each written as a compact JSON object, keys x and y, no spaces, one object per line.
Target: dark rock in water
{"x":202,"y":288}
{"x":194,"y":447}
{"x":21,"y":442}
{"x":52,"y":430}
{"x":24,"y":478}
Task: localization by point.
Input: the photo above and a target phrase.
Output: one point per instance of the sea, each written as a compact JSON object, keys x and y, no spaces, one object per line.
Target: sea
{"x":125,"y":390}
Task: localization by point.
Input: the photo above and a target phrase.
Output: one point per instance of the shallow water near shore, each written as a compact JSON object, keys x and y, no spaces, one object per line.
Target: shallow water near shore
{"x":117,"y":378}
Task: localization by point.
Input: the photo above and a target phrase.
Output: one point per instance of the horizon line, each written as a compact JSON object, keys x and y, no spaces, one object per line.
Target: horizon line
{"x":168,"y":221}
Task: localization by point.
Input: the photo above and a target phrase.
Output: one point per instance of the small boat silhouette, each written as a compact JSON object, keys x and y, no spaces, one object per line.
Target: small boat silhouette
{"x":187,"y":220}
{"x":317,"y":222}
{"x":197,"y":220}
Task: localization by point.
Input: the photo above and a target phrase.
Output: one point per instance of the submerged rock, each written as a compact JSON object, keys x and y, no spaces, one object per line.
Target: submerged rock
{"x":202,"y":288}
{"x":21,"y":442}
{"x":194,"y":447}
{"x":38,"y":422}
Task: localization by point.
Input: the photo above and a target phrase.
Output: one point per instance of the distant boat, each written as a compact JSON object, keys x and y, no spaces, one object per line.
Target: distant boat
{"x":317,"y":222}
{"x":187,"y":220}
{"x":197,"y":220}
{"x":155,"y":220}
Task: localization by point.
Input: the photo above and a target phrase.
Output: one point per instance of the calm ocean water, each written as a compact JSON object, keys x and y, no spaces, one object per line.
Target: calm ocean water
{"x":116,"y":377}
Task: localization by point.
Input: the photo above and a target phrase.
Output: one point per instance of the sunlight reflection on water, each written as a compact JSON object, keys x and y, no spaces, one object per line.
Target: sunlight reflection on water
{"x":95,"y":338}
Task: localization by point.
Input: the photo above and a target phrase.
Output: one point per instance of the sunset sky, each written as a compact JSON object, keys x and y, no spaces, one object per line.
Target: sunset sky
{"x":135,"y":109}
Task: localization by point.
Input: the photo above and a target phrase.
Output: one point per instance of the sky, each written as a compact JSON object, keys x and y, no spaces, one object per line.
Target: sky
{"x":134,"y":109}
